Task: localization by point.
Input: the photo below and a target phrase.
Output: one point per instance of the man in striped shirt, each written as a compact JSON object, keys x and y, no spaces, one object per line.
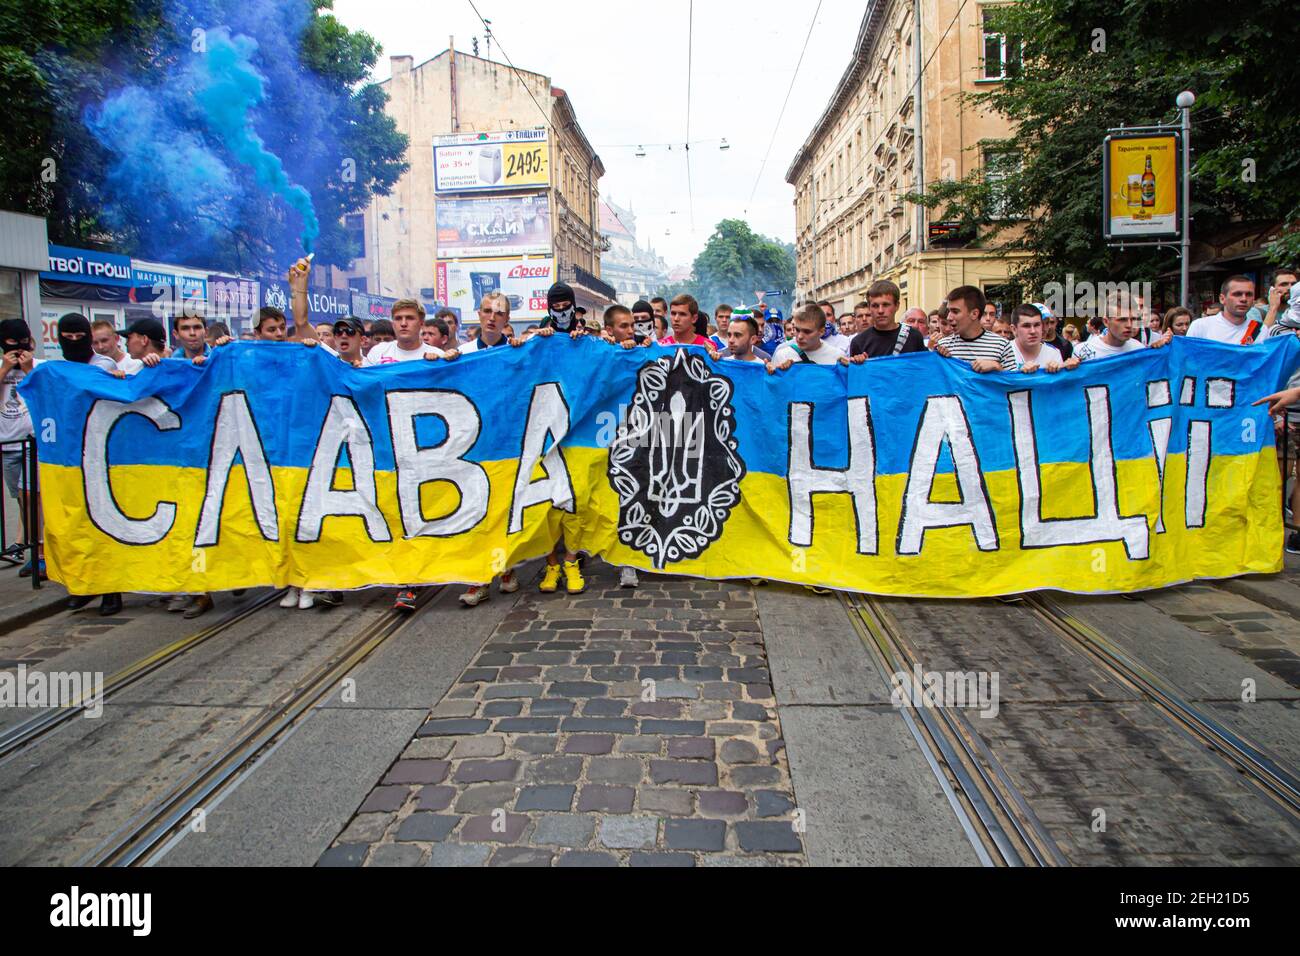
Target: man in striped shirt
{"x":970,"y":342}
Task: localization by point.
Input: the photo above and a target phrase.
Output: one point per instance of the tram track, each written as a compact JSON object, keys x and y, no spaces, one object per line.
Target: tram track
{"x":992,"y":811}
{"x":147,"y":835}
{"x":19,"y":737}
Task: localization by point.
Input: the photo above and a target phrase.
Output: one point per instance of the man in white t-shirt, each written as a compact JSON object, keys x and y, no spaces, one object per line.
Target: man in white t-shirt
{"x":742,"y":335}
{"x":408,"y":320}
{"x":1232,"y":325}
{"x":493,"y":317}
{"x":807,"y":346}
{"x":1120,"y":334}
{"x":1032,"y":353}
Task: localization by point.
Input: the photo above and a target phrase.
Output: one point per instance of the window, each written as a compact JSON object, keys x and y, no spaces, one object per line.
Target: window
{"x":1001,"y":53}
{"x":11,"y":294}
{"x":358,"y":284}
{"x":355,"y":224}
{"x":1000,"y":166}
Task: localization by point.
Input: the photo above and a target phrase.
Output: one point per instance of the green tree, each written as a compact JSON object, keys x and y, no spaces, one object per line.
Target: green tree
{"x":1089,"y":65}
{"x":735,"y":263}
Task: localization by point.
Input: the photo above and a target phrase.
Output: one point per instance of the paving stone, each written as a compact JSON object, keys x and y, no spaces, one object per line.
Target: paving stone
{"x":691,"y":748}
{"x":707,"y":710}
{"x":589,"y":744}
{"x":385,"y":800}
{"x":649,"y":744}
{"x":628,"y":833}
{"x":345,"y":854}
{"x":743,"y":710}
{"x":692,"y":728}
{"x":426,"y":827}
{"x":658,"y":673}
{"x":596,"y":657}
{"x":597,"y":797}
{"x":672,"y":802}
{"x":625,"y":770}
{"x":610,"y":725}
{"x":503,"y":708}
{"x":763,"y":837}
{"x":454,"y":726}
{"x":691,"y":772}
{"x":754,"y":776}
{"x":545,"y":797}
{"x":459,"y":854}
{"x":520,"y":672}
{"x":713,"y":690}
{"x":536,"y":745}
{"x":527,"y":725}
{"x":485,"y":771}
{"x":772,"y":803}
{"x":392,"y":854}
{"x":603,"y":707}
{"x":477,"y":675}
{"x":555,"y":769}
{"x":565,"y":672}
{"x":428,"y":748}
{"x":499,"y":691}
{"x":725,"y":728}
{"x":521,"y":856}
{"x":587,"y":858}
{"x":435,"y":798}
{"x":774,"y":747}
{"x":642,"y":858}
{"x":564,"y":829}
{"x":494,"y":828}
{"x":453,"y":709}
{"x":738,"y":751}
{"x":722,"y":803}
{"x":662,"y":709}
{"x":483,"y":799}
{"x":553,"y":707}
{"x":488,"y":746}
{"x":707,"y":835}
{"x":366,"y":828}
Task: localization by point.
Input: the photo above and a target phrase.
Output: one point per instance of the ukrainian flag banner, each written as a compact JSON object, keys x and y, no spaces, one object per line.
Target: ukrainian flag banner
{"x":911,"y":475}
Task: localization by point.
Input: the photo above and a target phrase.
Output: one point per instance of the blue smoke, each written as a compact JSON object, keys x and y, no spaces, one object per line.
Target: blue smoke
{"x":226,"y":116}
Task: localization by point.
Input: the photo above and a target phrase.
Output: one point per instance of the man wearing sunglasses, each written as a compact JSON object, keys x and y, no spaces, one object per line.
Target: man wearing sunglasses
{"x":348,"y":335}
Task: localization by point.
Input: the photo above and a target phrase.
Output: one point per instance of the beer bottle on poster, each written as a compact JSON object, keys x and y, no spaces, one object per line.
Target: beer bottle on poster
{"x":1148,"y":185}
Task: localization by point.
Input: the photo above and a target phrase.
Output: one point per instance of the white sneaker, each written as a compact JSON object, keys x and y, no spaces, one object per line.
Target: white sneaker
{"x":290,"y":598}
{"x":476,"y":594}
{"x":627,"y":578}
{"x":305,"y":600}
{"x":509,"y":583}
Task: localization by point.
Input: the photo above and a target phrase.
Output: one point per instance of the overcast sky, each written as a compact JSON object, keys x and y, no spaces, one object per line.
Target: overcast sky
{"x":624,"y":67}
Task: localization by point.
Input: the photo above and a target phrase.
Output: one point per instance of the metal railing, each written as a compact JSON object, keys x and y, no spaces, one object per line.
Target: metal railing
{"x":17,"y":544}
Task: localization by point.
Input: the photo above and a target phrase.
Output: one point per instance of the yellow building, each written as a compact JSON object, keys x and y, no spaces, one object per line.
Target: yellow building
{"x":502,"y":191}
{"x":884,"y":135}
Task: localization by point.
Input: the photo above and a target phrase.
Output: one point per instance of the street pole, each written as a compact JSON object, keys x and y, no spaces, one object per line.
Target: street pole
{"x":1185,"y":101}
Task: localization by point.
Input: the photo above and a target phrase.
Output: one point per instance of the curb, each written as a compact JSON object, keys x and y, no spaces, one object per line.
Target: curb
{"x":44,"y":603}
{"x":1271,"y":592}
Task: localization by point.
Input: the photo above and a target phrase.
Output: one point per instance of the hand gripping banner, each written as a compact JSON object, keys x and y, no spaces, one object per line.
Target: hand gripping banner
{"x":275,"y":464}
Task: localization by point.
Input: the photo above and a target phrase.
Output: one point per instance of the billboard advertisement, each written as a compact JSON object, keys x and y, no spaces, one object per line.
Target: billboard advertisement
{"x":366,"y":306}
{"x":1141,"y":186}
{"x":462,"y":284}
{"x":481,"y":162}
{"x":498,"y":226}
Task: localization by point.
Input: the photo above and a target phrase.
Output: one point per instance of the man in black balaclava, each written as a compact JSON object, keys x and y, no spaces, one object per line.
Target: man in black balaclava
{"x":560,"y":314}
{"x":15,"y":336}
{"x":643,"y":321}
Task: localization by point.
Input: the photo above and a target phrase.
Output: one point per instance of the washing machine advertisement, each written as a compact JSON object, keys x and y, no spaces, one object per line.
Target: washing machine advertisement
{"x":485,"y":162}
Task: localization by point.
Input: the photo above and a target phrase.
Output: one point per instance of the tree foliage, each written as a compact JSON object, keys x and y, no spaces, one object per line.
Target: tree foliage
{"x":1089,"y":65}
{"x":734,"y":264}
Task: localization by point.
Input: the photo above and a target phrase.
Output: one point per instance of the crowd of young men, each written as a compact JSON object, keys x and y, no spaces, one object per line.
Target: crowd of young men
{"x":966,"y":328}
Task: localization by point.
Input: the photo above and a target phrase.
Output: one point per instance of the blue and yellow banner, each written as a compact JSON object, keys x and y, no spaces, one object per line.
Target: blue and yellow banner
{"x":911,"y":475}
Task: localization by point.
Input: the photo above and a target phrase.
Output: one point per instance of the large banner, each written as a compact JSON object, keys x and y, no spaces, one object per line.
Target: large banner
{"x":462,"y":283}
{"x":483,"y":162}
{"x":911,"y":475}
{"x":501,"y":226}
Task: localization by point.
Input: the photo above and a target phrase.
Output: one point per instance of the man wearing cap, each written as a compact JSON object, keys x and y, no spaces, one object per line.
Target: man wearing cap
{"x":348,"y":334}
{"x":1052,"y":332}
{"x":146,"y":342}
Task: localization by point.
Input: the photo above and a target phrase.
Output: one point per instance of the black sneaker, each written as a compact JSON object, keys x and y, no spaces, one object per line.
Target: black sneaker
{"x":330,"y":598}
{"x":405,"y":601}
{"x":1293,"y":542}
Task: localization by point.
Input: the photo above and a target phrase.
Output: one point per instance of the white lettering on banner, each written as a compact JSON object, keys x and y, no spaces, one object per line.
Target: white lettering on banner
{"x":417,"y":466}
{"x":548,"y":417}
{"x":101,"y":506}
{"x":1106,"y":524}
{"x":343,"y":426}
{"x":944,"y":422}
{"x":235,"y":433}
{"x":858,"y":479}
{"x":1198,"y":472}
{"x":1160,"y":429}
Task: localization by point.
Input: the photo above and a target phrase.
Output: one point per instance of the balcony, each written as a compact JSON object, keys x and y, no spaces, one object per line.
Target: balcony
{"x":580,"y":276}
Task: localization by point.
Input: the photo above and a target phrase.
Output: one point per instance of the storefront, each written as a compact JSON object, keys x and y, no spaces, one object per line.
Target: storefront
{"x":24,"y":253}
{"x":97,"y":285}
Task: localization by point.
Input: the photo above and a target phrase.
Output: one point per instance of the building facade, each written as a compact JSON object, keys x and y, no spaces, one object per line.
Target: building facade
{"x":502,"y":193}
{"x":635,"y":272}
{"x":884,"y":135}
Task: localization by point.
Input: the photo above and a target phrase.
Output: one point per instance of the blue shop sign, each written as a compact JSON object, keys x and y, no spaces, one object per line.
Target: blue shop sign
{"x":85,"y":265}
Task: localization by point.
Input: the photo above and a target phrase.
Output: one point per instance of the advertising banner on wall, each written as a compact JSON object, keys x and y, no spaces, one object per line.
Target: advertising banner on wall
{"x":478,"y":162}
{"x":1141,"y":186}
{"x":86,"y":265}
{"x":524,"y":282}
{"x":497,"y":226}
{"x":367,"y":306}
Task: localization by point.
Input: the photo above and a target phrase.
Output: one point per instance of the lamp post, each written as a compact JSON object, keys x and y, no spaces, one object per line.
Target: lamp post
{"x":1184,"y":101}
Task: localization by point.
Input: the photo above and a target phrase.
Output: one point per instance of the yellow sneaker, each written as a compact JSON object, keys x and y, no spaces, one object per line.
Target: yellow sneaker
{"x":573,"y":582}
{"x":550,"y":579}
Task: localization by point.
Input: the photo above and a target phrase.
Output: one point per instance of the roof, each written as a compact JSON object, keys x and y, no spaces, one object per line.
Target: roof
{"x":868,"y":33}
{"x":610,"y":223}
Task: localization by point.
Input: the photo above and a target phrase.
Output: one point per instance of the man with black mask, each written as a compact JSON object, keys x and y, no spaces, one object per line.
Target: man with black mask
{"x":560,"y":314}
{"x":16,"y":424}
{"x":74,"y":340}
{"x":643,"y":321}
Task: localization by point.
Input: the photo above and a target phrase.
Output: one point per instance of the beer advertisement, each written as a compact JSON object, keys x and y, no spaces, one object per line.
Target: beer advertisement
{"x":1142,"y":186}
{"x":497,"y":226}
{"x":524,"y":282}
{"x":489,"y":162}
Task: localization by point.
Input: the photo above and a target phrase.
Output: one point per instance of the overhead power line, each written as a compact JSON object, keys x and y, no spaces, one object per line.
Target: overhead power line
{"x":690,"y":49}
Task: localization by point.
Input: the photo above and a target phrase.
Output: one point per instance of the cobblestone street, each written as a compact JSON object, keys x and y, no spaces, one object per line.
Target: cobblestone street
{"x":616,"y":727}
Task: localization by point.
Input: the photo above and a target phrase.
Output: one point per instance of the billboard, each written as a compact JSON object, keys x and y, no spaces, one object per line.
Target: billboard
{"x":497,"y":226}
{"x":367,"y":306}
{"x":1141,"y":186}
{"x":479,"y":162}
{"x":462,"y":284}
